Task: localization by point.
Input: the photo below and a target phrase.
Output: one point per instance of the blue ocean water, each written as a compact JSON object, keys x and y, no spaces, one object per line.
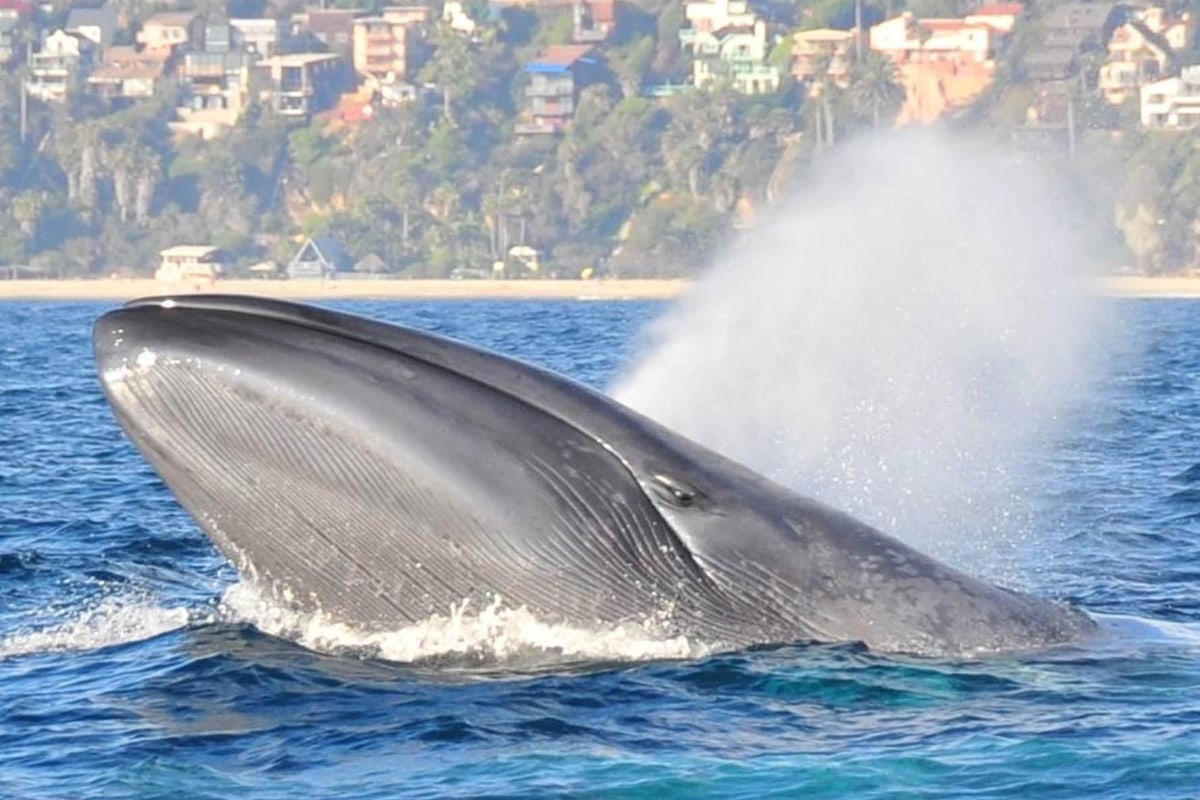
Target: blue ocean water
{"x":119,"y":676}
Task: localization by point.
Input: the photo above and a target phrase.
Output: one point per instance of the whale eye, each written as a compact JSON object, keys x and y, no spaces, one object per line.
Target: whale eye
{"x":674,"y":491}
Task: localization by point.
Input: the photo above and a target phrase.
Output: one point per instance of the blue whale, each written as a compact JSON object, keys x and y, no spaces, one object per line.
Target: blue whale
{"x":379,"y":474}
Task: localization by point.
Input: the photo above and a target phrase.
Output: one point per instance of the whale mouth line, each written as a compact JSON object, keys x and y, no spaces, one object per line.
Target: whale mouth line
{"x":675,"y":492}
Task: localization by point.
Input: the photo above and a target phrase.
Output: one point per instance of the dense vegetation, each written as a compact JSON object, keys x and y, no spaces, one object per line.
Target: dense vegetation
{"x":636,"y":186}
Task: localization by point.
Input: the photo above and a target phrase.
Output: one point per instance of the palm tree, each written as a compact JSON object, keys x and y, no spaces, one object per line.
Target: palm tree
{"x":27,"y":208}
{"x":875,"y":89}
{"x":149,"y":171}
{"x":452,"y":68}
{"x":819,"y":106}
{"x":121,"y":165}
{"x":77,"y":148}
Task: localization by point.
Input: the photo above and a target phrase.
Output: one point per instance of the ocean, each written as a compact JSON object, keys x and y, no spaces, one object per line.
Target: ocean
{"x":133,"y":666}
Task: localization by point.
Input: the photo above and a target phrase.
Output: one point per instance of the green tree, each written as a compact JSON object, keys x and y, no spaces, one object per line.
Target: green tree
{"x":875,"y":91}
{"x":631,"y":63}
{"x":27,"y":210}
{"x":673,"y":235}
{"x":452,"y":68}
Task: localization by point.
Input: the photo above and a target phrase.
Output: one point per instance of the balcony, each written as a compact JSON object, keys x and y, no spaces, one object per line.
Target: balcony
{"x":544,"y":88}
{"x":553,"y":108}
{"x":201,"y":71}
{"x":40,"y":64}
{"x":535,"y":128}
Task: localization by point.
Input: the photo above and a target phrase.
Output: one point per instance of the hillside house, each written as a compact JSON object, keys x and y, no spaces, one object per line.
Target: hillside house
{"x":1142,"y":50}
{"x":170,"y":32}
{"x":832,"y":50}
{"x":944,"y":63}
{"x":332,"y":27}
{"x":128,"y":74}
{"x":298,"y":85}
{"x":1070,"y":30}
{"x":908,"y":40}
{"x":737,"y":54}
{"x":263,"y":37}
{"x":593,"y":20}
{"x":97,"y":25}
{"x":555,"y":80}
{"x":187,"y":263}
{"x":318,"y":258}
{"x":382,"y":49}
{"x":728,"y":41}
{"x":1173,"y":103}
{"x":215,"y":84}
{"x":57,"y":65}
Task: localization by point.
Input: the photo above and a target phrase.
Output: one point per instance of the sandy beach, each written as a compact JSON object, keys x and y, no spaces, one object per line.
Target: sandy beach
{"x":1136,"y":286}
{"x":119,"y":289}
{"x":122,"y":289}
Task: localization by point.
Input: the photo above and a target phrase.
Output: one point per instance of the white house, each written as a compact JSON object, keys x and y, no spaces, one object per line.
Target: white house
{"x":455,"y":15}
{"x":727,"y":40}
{"x":53,"y":68}
{"x":1141,"y":51}
{"x":1174,"y":103}
{"x":737,"y":54}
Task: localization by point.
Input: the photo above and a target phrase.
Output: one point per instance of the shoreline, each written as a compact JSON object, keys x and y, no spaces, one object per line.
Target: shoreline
{"x":122,"y":289}
{"x":1179,"y":286}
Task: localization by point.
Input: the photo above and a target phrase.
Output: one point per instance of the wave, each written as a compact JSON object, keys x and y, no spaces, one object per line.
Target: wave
{"x":491,"y":636}
{"x":1125,"y":630}
{"x":111,"y":622}
{"x":494,"y":635}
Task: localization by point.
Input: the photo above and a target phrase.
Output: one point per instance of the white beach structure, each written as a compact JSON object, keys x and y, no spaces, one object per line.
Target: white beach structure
{"x":187,"y":263}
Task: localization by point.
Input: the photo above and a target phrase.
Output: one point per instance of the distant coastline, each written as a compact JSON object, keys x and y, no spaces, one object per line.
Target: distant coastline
{"x":120,"y":289}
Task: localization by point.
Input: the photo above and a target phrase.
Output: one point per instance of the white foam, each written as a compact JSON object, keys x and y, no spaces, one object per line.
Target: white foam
{"x":1127,"y":628}
{"x":495,"y":634}
{"x":113,"y":621}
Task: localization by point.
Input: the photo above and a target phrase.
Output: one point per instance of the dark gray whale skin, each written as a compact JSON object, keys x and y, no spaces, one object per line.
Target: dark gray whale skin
{"x":380,"y":474}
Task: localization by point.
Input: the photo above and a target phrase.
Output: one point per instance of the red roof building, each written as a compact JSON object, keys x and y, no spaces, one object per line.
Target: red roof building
{"x":595,"y":20}
{"x":22,"y":8}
